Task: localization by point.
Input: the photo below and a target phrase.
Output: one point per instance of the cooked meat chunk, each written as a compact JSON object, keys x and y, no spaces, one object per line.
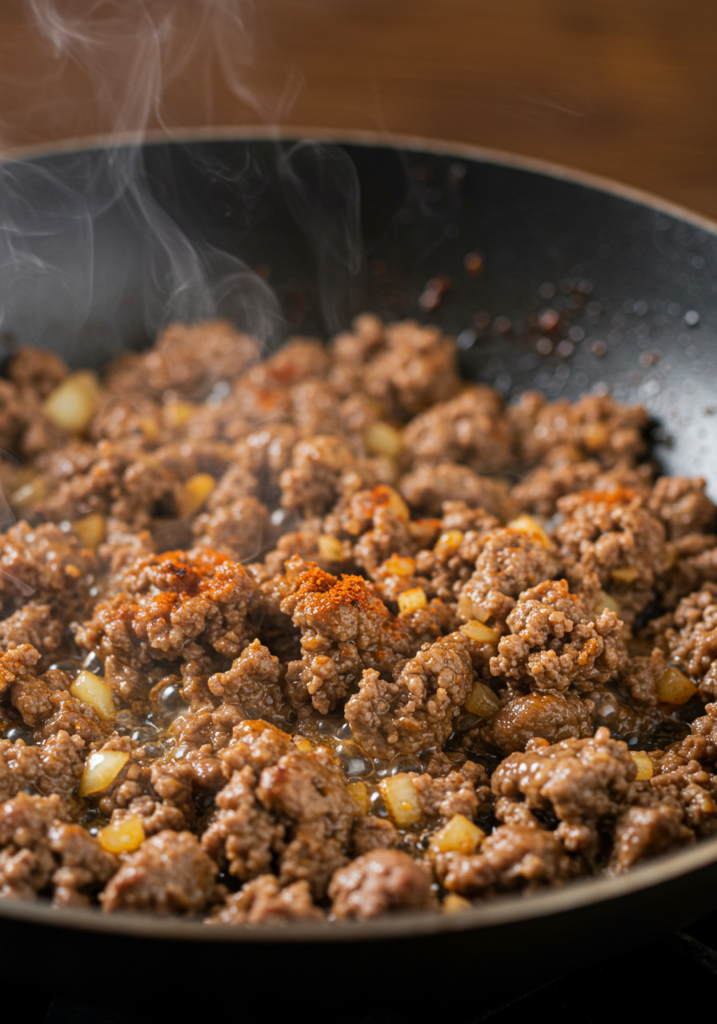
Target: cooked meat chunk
{"x":253,"y":682}
{"x":179,"y":606}
{"x":415,"y":710}
{"x":512,"y":857}
{"x":40,"y":849}
{"x":416,"y":367}
{"x":465,"y":792}
{"x":32,"y":624}
{"x":551,"y":716}
{"x":379,"y":881}
{"x":510,"y":562}
{"x":187,"y":360}
{"x":345,"y":628}
{"x":611,"y":534}
{"x":263,"y":901}
{"x":428,"y":487}
{"x":690,"y":640}
{"x":681,"y":504}
{"x":470,"y":429}
{"x":239,"y":530}
{"x":595,"y":426}
{"x":556,"y":644}
{"x":578,"y":780}
{"x":170,"y":872}
{"x":281,"y":801}
{"x":647,"y":832}
{"x":47,"y":565}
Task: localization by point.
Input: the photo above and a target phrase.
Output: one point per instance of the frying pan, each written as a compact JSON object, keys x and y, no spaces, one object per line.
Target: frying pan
{"x":99,"y":245}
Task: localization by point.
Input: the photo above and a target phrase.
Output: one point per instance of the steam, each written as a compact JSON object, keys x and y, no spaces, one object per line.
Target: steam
{"x":68,"y":273}
{"x":322,"y":191}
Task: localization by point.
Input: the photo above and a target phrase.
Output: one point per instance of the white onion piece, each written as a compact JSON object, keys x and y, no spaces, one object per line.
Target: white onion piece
{"x":101,"y":768}
{"x":92,"y":690}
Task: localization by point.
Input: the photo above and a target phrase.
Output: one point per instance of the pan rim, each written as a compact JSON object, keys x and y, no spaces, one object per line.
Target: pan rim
{"x":500,"y":911}
{"x":367,"y":138}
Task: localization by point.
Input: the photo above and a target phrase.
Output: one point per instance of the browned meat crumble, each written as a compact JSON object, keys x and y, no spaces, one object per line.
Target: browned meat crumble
{"x":334,"y":634}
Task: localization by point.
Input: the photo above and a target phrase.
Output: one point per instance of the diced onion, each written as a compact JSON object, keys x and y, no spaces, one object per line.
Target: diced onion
{"x":674,"y":687}
{"x":628,"y":574}
{"x":29,"y":493}
{"x":330,"y":549}
{"x":397,"y":504}
{"x":451,"y":540}
{"x":383,"y":439}
{"x":607,"y":602}
{"x":411,"y":600}
{"x":92,"y":690}
{"x":479,"y":631}
{"x":645,"y":767}
{"x":528,"y":525}
{"x":72,"y":404}
{"x":401,"y":799}
{"x":177,"y":414}
{"x":459,"y":835}
{"x":123,"y":837}
{"x":101,"y":769}
{"x":482,"y":701}
{"x":397,"y":566}
{"x":91,"y":530}
{"x":359,"y":794}
{"x":193,"y":493}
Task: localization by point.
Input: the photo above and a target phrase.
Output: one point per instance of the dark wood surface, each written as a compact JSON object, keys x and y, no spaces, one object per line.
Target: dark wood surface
{"x":623,"y":88}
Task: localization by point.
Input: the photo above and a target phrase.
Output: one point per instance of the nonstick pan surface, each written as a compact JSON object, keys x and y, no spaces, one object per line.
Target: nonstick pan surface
{"x":123,"y":238}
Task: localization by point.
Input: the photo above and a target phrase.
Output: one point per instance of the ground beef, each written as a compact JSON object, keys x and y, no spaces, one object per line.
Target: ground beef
{"x":611,"y":534}
{"x":40,"y":849}
{"x":465,"y":792}
{"x":681,"y":504}
{"x":416,"y":367}
{"x":428,"y":487}
{"x":169,"y":873}
{"x":48,"y":566}
{"x":580,"y":781}
{"x":281,"y":802}
{"x":379,"y":881}
{"x":263,"y":901}
{"x":551,"y":716}
{"x":509,"y":563}
{"x":415,"y":710}
{"x":253,"y":682}
{"x":379,"y":500}
{"x":186,"y":360}
{"x":644,"y":832}
{"x":33,"y":624}
{"x":512,"y":857}
{"x":470,"y":429}
{"x":556,"y":643}
{"x":690,"y":639}
{"x":594,"y":427}
{"x":345,"y":628}
{"x":240,"y":530}
{"x":36,"y":370}
{"x":372,"y":833}
{"x":180,"y":606}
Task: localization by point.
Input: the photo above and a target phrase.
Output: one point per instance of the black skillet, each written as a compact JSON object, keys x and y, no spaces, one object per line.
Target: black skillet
{"x":98,"y":247}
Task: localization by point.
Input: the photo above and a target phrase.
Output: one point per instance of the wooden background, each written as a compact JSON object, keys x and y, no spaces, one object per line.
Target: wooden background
{"x":622,"y":88}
